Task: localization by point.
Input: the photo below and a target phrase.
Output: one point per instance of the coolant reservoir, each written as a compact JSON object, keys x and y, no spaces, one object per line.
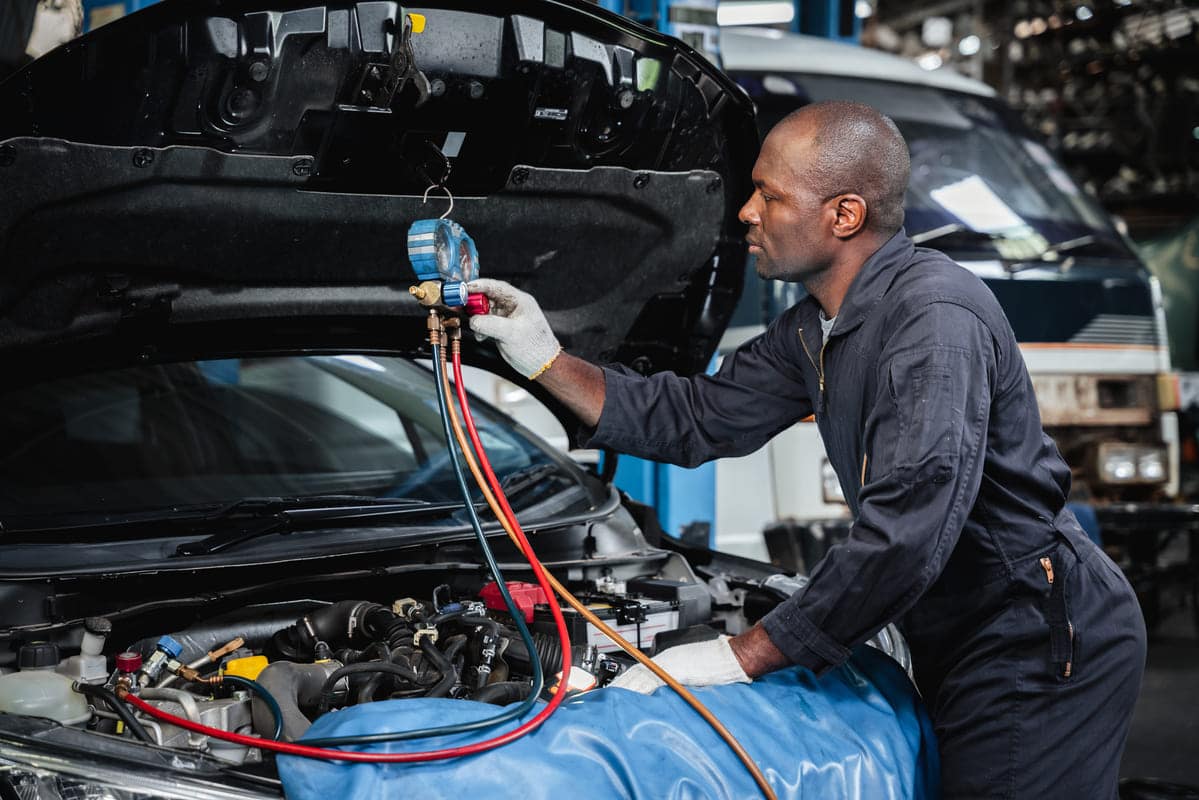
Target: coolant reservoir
{"x":38,"y":691}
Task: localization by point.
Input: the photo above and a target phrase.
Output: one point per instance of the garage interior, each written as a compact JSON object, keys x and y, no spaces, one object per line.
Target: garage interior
{"x":1100,"y":97}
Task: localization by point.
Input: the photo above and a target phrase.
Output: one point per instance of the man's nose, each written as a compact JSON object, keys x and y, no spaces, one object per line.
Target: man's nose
{"x":749,"y":212}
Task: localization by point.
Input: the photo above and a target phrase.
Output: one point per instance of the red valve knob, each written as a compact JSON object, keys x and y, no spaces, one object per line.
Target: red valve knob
{"x":129,"y":661}
{"x":477,"y":304}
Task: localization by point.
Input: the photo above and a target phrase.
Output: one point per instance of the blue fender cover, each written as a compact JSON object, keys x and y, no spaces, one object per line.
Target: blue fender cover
{"x":859,"y":731}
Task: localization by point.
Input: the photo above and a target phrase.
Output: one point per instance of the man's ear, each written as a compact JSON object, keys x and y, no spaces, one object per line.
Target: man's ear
{"x":850,"y":215}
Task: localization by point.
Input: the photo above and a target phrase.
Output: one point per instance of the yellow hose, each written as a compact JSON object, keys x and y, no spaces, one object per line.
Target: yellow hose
{"x":573,"y":602}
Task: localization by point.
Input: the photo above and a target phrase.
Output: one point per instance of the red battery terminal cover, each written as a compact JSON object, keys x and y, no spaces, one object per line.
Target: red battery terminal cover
{"x":525,"y":595}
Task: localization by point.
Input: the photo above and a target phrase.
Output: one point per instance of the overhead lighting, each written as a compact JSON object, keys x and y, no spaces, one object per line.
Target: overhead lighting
{"x":936,"y":31}
{"x":760,"y":12}
{"x":1083,"y":13}
{"x":863,"y":10}
{"x":970,"y":45}
{"x":1023,"y":29}
{"x":930,"y":61}
{"x":1038,"y":26}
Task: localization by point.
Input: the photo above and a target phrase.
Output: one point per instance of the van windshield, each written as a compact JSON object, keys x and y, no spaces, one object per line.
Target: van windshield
{"x":974,"y":168}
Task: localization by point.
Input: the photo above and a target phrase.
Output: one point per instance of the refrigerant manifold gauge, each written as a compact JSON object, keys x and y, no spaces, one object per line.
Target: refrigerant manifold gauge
{"x":445,"y":259}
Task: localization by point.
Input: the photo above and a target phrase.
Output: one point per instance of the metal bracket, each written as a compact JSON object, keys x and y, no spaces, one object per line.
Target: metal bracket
{"x":380,"y":82}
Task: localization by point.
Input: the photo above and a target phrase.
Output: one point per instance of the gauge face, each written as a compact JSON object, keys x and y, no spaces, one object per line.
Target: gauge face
{"x":443,"y":246}
{"x":439,"y":249}
{"x":468,"y":258}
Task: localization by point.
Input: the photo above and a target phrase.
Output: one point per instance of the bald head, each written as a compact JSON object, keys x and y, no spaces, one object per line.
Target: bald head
{"x":851,"y":149}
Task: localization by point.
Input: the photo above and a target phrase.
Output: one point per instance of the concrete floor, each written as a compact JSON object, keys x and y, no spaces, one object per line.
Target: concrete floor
{"x":1163,"y":743}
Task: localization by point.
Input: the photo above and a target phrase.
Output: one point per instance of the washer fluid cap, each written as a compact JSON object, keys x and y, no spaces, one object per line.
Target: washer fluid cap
{"x":38,"y":655}
{"x":439,"y":249}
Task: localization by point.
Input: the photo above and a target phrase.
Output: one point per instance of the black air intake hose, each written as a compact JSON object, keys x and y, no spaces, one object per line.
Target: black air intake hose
{"x":549,"y":651}
{"x":338,"y":624}
{"x":503,"y":693}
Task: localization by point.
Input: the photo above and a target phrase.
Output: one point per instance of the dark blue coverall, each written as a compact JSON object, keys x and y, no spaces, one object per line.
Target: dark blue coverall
{"x":1027,"y":641}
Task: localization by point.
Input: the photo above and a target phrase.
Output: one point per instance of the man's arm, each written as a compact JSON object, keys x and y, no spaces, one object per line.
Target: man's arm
{"x":757,"y":392}
{"x":756,"y":653}
{"x":578,"y":384}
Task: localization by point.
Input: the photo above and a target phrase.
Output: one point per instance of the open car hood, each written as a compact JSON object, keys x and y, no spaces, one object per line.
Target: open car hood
{"x":213,"y":175}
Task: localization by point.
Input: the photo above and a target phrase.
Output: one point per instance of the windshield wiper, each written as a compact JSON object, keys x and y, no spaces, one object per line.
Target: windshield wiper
{"x":238,"y":521}
{"x":266,"y":516}
{"x":956,"y":230}
{"x":522,"y":481}
{"x":1013,"y":263}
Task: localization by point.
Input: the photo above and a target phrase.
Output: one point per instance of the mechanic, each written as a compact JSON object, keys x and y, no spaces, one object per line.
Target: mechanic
{"x":1027,"y":641}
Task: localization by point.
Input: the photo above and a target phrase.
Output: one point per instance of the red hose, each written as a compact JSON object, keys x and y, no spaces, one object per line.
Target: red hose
{"x":484,"y":463}
{"x":330,"y":754}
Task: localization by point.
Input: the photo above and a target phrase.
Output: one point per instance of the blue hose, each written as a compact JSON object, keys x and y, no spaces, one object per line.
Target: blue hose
{"x":515,"y":711}
{"x":264,"y":696}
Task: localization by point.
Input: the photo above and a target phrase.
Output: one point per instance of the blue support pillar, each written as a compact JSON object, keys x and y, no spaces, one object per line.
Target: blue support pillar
{"x":680,"y":496}
{"x":828,"y":19}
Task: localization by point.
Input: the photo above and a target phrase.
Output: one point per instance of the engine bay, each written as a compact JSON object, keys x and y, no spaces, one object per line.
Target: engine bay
{"x":317,"y":656}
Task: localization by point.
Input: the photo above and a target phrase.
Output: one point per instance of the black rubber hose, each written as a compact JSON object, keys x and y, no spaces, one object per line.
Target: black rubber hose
{"x":441,"y":619}
{"x":503,"y":693}
{"x":454,"y":645}
{"x":549,"y":653}
{"x":93,"y":692}
{"x":368,"y":690}
{"x":449,"y":676}
{"x":329,"y":689}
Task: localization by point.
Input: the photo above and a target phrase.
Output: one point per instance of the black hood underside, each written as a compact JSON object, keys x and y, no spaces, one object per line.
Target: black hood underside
{"x":240,"y":166}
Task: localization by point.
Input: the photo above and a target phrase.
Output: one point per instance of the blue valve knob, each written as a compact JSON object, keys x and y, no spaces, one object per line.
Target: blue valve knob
{"x":453,"y":294}
{"x":169,"y":646}
{"x":439,"y":249}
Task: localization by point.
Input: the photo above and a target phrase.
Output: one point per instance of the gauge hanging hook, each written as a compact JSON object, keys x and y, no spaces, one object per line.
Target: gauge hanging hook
{"x":448,"y":193}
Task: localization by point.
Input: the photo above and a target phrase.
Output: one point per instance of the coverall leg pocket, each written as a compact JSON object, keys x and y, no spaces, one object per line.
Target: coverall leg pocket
{"x":1062,"y":635}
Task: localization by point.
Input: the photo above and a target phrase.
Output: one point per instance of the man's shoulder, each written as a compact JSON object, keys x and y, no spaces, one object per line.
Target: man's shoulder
{"x":930,"y":277}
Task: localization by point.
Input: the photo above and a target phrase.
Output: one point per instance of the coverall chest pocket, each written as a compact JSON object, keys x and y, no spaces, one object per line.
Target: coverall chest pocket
{"x":928,"y":392}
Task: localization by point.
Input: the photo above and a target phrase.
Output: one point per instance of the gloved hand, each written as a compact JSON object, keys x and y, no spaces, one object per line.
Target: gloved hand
{"x":708,"y":663}
{"x":518,"y":327}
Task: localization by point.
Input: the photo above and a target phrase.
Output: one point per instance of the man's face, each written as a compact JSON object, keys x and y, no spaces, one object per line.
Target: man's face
{"x":789,"y":223}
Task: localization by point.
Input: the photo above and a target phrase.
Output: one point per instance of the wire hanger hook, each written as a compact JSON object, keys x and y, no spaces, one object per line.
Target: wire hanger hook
{"x":448,"y":193}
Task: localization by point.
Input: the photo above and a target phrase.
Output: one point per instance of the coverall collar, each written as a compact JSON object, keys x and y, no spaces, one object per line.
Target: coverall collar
{"x":872,"y":282}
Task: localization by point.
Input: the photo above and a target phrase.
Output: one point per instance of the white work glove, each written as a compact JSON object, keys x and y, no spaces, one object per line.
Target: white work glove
{"x":518,"y":327}
{"x":710,"y":663}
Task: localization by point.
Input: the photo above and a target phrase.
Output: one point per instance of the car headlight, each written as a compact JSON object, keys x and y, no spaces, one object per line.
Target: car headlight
{"x":1132,"y":463}
{"x":830,"y":483}
{"x":31,"y":773}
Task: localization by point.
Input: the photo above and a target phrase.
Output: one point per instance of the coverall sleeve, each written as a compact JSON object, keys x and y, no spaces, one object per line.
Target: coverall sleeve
{"x":757,"y":392}
{"x":925,"y":444}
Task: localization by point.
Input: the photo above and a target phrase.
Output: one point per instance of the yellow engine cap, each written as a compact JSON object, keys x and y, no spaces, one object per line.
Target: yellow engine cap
{"x":249,"y":667}
{"x":418,"y":22}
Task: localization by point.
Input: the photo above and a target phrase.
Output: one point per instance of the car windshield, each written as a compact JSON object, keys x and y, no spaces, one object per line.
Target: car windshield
{"x":975,"y":171}
{"x":163,"y":436}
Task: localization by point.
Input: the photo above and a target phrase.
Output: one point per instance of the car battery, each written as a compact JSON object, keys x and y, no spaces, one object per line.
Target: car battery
{"x":646,"y":608}
{"x":638,"y":620}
